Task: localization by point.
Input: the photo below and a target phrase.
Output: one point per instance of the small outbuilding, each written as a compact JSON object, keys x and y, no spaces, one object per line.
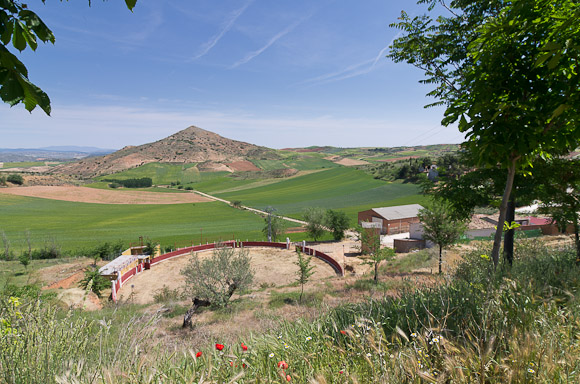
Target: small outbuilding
{"x":392,"y":220}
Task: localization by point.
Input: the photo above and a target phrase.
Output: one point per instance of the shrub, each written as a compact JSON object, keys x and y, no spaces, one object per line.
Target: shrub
{"x":216,"y":278}
{"x":15,"y":179}
{"x":94,"y":282}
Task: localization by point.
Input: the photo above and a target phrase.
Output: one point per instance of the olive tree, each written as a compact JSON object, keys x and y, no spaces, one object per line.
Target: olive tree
{"x":213,"y":280}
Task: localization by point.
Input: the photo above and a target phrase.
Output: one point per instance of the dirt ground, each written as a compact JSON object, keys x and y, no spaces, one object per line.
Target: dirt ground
{"x":243,"y":165}
{"x":64,"y":280}
{"x":273,"y":267}
{"x":103,"y":196}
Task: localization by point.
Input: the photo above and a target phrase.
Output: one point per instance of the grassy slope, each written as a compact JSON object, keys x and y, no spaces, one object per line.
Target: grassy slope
{"x":75,"y":225}
{"x":165,"y":173}
{"x":340,"y":188}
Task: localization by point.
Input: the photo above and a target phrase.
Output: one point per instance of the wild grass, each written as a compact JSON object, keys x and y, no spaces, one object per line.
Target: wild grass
{"x":518,"y":324}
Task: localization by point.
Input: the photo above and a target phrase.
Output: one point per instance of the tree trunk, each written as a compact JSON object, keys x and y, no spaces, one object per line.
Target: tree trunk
{"x":502,"y":211}
{"x":440,"y":257}
{"x":191,"y":311}
{"x":508,"y":238}
{"x":376,"y":272}
{"x":577,"y":237}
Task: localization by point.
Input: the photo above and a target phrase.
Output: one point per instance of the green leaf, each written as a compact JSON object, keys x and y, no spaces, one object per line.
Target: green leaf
{"x":543,"y":58}
{"x":18,"y":40}
{"x":558,"y":111}
{"x":131,"y":4}
{"x":28,"y":36}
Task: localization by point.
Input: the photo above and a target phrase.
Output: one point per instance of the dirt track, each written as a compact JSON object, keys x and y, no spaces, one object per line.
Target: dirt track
{"x":272,"y":267}
{"x":103,"y":196}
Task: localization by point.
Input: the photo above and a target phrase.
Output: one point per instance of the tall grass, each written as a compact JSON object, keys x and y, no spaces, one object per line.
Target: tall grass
{"x":518,"y":324}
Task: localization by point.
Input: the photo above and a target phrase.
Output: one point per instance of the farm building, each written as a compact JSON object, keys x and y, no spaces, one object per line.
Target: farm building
{"x":392,"y":219}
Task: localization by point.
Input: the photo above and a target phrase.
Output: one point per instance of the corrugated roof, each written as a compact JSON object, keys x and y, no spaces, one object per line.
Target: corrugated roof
{"x":399,"y":212}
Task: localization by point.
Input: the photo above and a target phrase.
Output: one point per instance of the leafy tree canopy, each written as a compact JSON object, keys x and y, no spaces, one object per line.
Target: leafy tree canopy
{"x":507,"y":73}
{"x":22,"y":28}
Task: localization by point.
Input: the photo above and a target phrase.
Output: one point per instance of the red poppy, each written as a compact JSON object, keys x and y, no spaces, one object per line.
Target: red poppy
{"x":244,"y":365}
{"x":231,"y":363}
{"x":288,"y":378}
{"x":198,"y":354}
{"x":282,"y":364}
{"x":244,"y":347}
{"x":219,"y":347}
{"x":343,"y":332}
{"x":341,"y":372}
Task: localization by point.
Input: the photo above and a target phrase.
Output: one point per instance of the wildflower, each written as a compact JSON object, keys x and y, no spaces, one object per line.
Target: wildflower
{"x":271,"y":354}
{"x":288,"y":378}
{"x":369,"y":354}
{"x":231,"y":363}
{"x":413,"y":334}
{"x":219,"y":347}
{"x":244,"y":365}
{"x":286,"y":346}
{"x":308,"y":338}
{"x":436,"y":339}
{"x":392,"y":356}
{"x":282,"y":364}
{"x":341,"y":372}
{"x":530,"y":370}
{"x":343,"y":332}
{"x":279,"y":336}
{"x":244,"y":347}
{"x":198,"y":354}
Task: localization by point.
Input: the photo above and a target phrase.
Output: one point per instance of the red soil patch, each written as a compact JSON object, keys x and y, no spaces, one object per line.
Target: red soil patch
{"x":243,"y":166}
{"x":103,"y":196}
{"x":68,"y":282}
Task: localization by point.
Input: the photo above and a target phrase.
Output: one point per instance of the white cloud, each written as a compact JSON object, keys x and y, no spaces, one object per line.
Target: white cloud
{"x":227,"y":25}
{"x":116,"y":127}
{"x":252,"y":55}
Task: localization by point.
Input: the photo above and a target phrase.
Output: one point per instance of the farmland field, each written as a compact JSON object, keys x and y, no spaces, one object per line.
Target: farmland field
{"x":342,"y":188}
{"x":165,"y":173}
{"x":77,"y":225}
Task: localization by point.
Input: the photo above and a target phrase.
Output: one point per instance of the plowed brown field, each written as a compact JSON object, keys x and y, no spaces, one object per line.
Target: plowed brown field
{"x":103,"y":196}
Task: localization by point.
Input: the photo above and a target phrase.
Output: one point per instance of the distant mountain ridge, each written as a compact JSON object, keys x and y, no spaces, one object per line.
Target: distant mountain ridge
{"x":50,"y":153}
{"x":191,"y":145}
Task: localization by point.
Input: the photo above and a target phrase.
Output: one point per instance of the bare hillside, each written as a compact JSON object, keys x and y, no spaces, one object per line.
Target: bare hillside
{"x":192,"y":145}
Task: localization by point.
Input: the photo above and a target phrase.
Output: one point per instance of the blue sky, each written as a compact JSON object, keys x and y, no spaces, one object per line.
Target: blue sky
{"x":270,"y":72}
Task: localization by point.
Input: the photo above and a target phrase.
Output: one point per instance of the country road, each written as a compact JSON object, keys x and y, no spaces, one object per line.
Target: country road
{"x":260,"y":212}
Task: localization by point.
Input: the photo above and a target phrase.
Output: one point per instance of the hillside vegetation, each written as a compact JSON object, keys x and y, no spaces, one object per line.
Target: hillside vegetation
{"x":480,"y":325}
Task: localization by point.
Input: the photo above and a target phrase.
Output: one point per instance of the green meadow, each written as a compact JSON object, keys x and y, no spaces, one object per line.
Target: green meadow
{"x":347,"y":189}
{"x":77,"y":225}
{"x":166,"y":173}
{"x":74,"y":225}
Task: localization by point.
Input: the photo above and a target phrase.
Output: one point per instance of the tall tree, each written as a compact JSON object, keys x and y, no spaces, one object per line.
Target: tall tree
{"x":315,"y":219}
{"x":440,"y":227}
{"x":337,"y":222}
{"x":507,"y":72}
{"x":23,"y":28}
{"x":274,"y":227}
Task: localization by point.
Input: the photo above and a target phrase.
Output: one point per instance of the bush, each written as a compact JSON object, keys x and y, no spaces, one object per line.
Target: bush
{"x":144,"y":182}
{"x":216,"y":278}
{"x":94,"y":282}
{"x":15,"y":179}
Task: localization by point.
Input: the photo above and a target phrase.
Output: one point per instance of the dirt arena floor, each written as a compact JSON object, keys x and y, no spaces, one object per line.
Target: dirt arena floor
{"x":272,"y":267}
{"x":103,"y":196}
